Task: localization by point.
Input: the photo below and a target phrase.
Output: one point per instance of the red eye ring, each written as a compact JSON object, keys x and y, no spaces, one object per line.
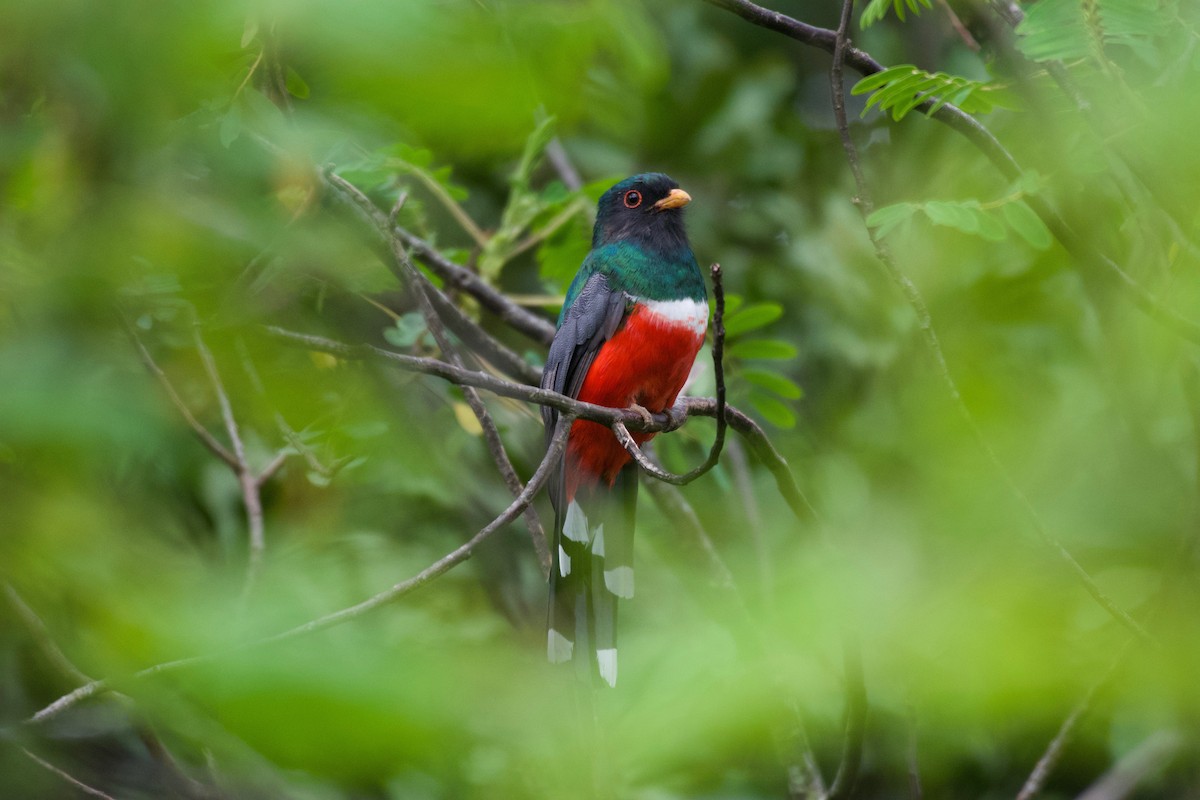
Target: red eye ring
{"x":633,"y":198}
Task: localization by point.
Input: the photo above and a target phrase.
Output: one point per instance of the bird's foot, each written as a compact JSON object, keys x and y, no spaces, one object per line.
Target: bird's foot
{"x":642,"y":412}
{"x":676,"y":416}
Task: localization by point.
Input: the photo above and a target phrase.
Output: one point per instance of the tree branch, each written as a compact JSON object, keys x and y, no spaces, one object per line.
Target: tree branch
{"x":78,"y":784}
{"x":1120,"y":781}
{"x":516,"y":317}
{"x":206,"y":438}
{"x":911,"y":293}
{"x":1049,"y":759}
{"x":966,"y":125}
{"x":249,"y":482}
{"x":424,"y":290}
{"x":437,"y":568}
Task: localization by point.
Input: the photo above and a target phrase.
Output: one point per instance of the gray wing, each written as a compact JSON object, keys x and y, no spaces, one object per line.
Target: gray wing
{"x":592,"y":319}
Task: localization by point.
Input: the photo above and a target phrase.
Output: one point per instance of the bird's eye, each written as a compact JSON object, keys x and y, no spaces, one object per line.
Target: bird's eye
{"x":633,"y":198}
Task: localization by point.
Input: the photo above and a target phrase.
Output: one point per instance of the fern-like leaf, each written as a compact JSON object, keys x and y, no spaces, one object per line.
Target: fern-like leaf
{"x":877,"y":10}
{"x":1065,"y":30}
{"x":902,"y":88}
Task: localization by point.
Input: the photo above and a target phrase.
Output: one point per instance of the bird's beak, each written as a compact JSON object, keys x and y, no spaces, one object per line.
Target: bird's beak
{"x":678,"y":198}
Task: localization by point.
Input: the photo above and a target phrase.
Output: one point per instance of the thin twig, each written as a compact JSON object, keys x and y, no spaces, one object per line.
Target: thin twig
{"x":480,"y":380}
{"x":434,"y":570}
{"x":410,"y":276}
{"x":206,"y":438}
{"x":78,"y":784}
{"x":1079,"y":247}
{"x":803,"y":770}
{"x":915,"y":791}
{"x":293,"y":439}
{"x":386,"y":231}
{"x":959,"y":27}
{"x":41,"y":635}
{"x":456,"y":276}
{"x":1120,"y":781}
{"x":272,"y":467}
{"x":1049,"y":759}
{"x":557,"y":155}
{"x":247,"y":480}
{"x":925,"y":322}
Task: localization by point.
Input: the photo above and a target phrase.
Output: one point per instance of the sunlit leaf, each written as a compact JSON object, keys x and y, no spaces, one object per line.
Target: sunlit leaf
{"x":751,"y":317}
{"x":772,"y":410}
{"x":1028,"y":224}
{"x":296,"y":85}
{"x":771,"y":349}
{"x":772,"y":381}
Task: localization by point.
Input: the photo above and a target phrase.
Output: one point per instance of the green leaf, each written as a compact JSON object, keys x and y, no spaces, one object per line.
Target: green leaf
{"x":295,"y":84}
{"x":877,"y":10}
{"x":991,"y":228}
{"x":1029,"y":225}
{"x":407,"y":330}
{"x":752,"y":317}
{"x":773,"y":411}
{"x":872,"y":82}
{"x":762,"y":348}
{"x":963,"y":216}
{"x":250,"y":30}
{"x":1053,"y":30}
{"x":902,"y":88}
{"x":885,"y":219}
{"x":772,"y":382}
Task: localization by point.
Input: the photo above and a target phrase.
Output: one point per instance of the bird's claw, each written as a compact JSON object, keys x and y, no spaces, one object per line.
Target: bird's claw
{"x":644,"y":413}
{"x":676,"y":416}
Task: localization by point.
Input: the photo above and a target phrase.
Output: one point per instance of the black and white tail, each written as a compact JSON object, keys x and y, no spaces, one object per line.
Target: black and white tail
{"x":592,"y":570}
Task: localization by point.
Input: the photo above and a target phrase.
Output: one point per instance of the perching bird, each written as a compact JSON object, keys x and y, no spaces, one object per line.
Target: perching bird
{"x":631,"y":325}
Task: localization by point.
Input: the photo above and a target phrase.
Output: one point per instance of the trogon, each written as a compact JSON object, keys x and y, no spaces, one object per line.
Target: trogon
{"x":632,"y":322}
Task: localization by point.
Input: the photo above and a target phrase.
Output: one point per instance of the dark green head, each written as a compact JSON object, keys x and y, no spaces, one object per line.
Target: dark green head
{"x":646,"y":210}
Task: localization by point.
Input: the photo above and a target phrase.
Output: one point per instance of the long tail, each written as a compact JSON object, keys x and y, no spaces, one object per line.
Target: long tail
{"x":592,"y":570}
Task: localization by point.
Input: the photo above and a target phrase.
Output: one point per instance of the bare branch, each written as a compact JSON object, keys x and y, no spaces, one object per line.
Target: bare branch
{"x":481,"y":380}
{"x":1120,"y":781}
{"x":925,"y":323}
{"x":424,"y":291}
{"x":518,"y":318}
{"x":1078,"y":246}
{"x":439,"y":567}
{"x":557,"y":155}
{"x":804,"y":774}
{"x":293,"y":439}
{"x":959,"y":27}
{"x":1045,"y":765}
{"x":206,"y":438}
{"x":78,"y":784}
{"x":251,"y":498}
{"x":915,"y":792}
{"x":272,"y":467}
{"x":41,"y":635}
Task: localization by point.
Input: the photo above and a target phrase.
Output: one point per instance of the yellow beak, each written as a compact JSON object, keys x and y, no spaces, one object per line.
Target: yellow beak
{"x":678,"y":198}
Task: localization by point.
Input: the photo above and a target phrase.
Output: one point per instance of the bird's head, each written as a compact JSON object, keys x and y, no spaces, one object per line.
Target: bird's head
{"x":645,"y":209}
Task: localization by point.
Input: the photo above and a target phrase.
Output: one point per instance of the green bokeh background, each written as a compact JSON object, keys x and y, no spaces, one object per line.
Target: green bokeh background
{"x":135,"y":184}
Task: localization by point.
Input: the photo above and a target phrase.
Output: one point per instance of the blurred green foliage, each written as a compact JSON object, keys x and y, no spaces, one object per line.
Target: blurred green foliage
{"x":158,"y":178}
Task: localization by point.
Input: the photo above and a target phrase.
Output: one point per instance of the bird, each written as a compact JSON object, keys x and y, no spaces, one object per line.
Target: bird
{"x":632,"y":322}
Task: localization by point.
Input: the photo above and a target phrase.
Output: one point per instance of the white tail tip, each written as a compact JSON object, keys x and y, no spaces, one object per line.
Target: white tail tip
{"x":619,"y":581}
{"x":607,"y":661}
{"x":558,"y":647}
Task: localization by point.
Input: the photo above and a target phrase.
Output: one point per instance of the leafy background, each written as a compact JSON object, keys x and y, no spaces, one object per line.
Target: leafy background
{"x":157,"y":176}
